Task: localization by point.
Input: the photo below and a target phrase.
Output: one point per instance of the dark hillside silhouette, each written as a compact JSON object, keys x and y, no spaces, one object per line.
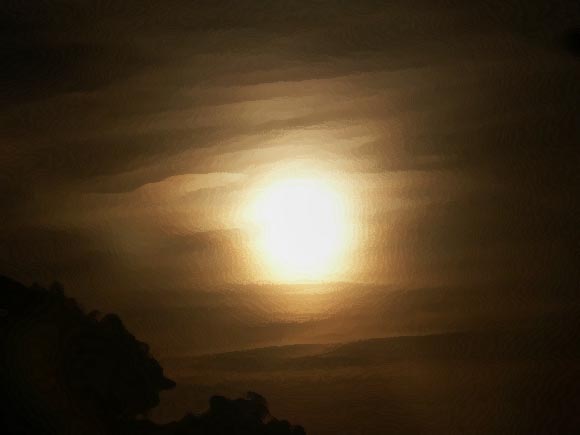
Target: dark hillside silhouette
{"x":64,"y":371}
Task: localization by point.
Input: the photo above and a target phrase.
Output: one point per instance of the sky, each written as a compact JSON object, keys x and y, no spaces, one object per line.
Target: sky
{"x":136,"y":134}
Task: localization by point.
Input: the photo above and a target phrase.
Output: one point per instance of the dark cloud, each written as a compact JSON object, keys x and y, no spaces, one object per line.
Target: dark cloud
{"x":59,"y":47}
{"x":45,"y":254}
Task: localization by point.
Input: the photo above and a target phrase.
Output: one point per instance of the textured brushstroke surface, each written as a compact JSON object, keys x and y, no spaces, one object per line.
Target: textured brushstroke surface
{"x":285,"y":178}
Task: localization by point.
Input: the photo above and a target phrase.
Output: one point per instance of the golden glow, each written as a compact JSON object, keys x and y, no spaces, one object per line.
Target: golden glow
{"x":303,"y":230}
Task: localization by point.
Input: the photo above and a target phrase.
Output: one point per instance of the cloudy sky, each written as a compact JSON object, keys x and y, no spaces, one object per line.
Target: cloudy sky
{"x":135,"y":133}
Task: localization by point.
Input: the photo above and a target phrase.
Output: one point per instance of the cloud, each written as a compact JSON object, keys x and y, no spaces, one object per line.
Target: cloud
{"x":56,"y":48}
{"x":455,"y":124}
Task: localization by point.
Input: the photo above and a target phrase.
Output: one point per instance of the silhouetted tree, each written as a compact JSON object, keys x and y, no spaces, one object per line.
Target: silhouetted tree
{"x":64,"y":371}
{"x":249,"y":416}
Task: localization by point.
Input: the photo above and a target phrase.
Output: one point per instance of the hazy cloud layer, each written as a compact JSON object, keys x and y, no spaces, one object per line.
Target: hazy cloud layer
{"x":131,"y":131}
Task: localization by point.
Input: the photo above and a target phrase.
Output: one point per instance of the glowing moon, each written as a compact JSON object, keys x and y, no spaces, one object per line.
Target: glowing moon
{"x":302,"y":228}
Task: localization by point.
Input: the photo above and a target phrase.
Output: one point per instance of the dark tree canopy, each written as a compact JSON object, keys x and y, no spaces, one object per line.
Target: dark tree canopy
{"x":65,"y":371}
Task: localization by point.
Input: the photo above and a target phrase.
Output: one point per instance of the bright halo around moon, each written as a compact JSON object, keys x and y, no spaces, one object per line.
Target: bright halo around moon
{"x":302,"y":228}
